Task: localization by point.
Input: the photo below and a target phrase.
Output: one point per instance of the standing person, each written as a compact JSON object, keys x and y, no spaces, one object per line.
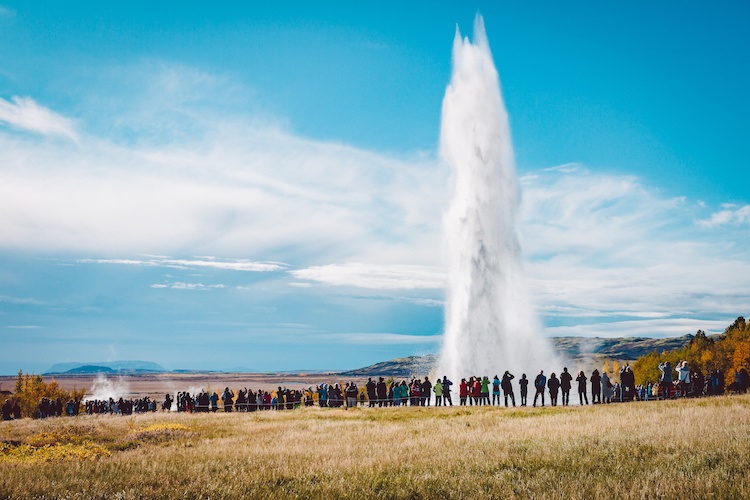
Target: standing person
{"x":565,"y":379}
{"x":7,"y":409}
{"x":484,"y":393}
{"x":666,"y":378}
{"x":496,"y":391}
{"x":581,"y":379}
{"x":553,"y":384}
{"x":426,"y":390}
{"x":351,"y":395}
{"x":447,"y":391}
{"x":606,"y":388}
{"x":404,"y":393}
{"x":625,"y":386}
{"x":371,"y":394}
{"x":323,"y":395}
{"x":463,"y":391}
{"x":524,"y":385}
{"x":744,"y":380}
{"x":167,"y":403}
{"x":507,"y":388}
{"x":476,"y":392}
{"x":698,"y":382}
{"x":596,"y":387}
{"x":683,"y":371}
{"x":416,"y":392}
{"x":214,"y":402}
{"x":438,"y":390}
{"x":280,"y":402}
{"x":228,"y":398}
{"x":540,"y":383}
{"x":381,"y":391}
{"x":630,"y":378}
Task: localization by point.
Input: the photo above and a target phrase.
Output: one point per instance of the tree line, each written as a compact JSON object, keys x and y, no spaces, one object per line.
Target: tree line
{"x":30,"y":389}
{"x":727,"y":352}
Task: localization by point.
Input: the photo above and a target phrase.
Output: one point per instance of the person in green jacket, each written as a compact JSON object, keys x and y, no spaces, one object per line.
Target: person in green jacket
{"x":484,"y":396}
{"x":438,"y":390}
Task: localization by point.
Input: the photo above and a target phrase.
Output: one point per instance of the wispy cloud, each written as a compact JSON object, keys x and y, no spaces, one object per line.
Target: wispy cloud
{"x":179,"y":285}
{"x":23,"y":301}
{"x":374,"y":276}
{"x":25,"y":114}
{"x":642,"y":328}
{"x":730,"y":214}
{"x":157,"y":261}
{"x":603,"y":247}
{"x":383,"y":338}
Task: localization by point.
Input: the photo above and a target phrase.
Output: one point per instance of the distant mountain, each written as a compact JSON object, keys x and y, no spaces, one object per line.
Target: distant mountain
{"x":399,"y":367}
{"x":88,"y":369}
{"x":111,"y":366}
{"x":588,"y":351}
{"x":584,"y":349}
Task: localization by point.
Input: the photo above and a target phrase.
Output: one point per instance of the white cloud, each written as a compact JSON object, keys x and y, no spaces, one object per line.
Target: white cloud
{"x":675,"y":327}
{"x":217,"y":183}
{"x":300,"y":284}
{"x":730,"y":214}
{"x":172,"y":177}
{"x":179,"y":285}
{"x":20,"y":301}
{"x":374,"y":276}
{"x":25,"y":114}
{"x":384,"y":338}
{"x":159,"y":261}
{"x":605,"y":246}
{"x":566,"y":168}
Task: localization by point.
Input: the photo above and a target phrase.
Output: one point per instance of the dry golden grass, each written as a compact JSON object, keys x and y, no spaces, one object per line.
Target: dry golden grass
{"x":679,"y":449}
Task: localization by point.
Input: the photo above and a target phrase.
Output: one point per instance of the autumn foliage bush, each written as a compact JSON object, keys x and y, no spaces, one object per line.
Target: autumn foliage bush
{"x":727,"y":352}
{"x":30,"y":389}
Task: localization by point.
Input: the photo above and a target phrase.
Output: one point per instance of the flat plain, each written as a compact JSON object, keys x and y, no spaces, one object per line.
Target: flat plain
{"x":680,"y":449}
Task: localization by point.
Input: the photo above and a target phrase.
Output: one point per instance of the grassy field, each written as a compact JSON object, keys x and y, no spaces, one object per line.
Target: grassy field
{"x":676,"y":449}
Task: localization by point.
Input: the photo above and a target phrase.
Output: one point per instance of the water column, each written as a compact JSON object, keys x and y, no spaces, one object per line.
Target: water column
{"x":490,"y":325}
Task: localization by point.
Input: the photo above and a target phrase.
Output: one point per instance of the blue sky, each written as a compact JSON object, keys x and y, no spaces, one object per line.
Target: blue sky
{"x":258,"y":187}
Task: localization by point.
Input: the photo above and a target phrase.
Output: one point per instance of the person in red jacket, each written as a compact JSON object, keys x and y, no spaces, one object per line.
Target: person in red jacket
{"x":463,"y":391}
{"x":476,"y":390}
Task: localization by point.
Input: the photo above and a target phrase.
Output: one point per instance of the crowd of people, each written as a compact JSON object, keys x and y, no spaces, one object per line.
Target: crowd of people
{"x":475,"y":390}
{"x":11,"y":410}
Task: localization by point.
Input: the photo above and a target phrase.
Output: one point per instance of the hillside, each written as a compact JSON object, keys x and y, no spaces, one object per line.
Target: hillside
{"x":88,"y":369}
{"x":579,"y":350}
{"x":109,"y":366}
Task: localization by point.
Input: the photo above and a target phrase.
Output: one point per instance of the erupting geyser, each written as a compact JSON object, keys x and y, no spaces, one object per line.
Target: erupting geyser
{"x":490,"y":325}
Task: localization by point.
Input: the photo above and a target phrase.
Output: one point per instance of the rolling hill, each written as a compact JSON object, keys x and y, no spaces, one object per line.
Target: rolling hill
{"x":579,"y":350}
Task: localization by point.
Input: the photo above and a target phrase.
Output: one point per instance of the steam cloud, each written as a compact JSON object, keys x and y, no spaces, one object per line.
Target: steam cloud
{"x":103,"y":388}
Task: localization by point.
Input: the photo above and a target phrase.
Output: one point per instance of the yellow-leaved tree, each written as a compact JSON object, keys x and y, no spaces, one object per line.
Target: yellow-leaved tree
{"x":727,"y":352}
{"x":30,"y":389}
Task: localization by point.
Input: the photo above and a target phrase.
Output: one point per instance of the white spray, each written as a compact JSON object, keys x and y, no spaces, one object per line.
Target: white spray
{"x":103,"y":388}
{"x":490,"y":325}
